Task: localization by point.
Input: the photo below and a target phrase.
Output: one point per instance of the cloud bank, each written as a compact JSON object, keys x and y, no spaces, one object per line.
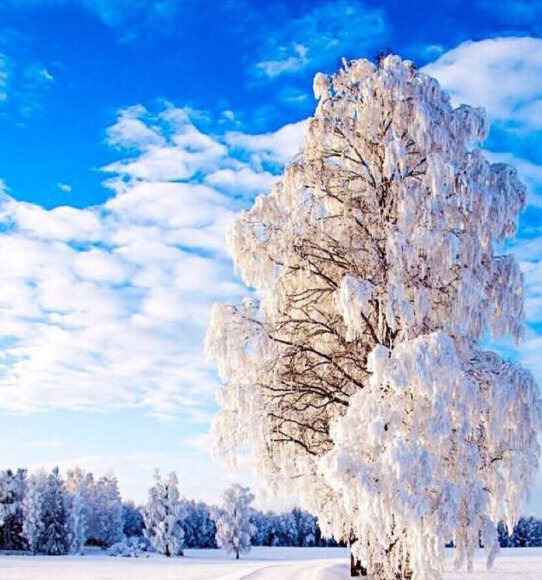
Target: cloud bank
{"x":501,"y":74}
{"x":106,"y":307}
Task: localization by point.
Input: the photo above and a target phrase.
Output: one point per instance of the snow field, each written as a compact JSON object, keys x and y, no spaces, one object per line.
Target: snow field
{"x":259,"y":564}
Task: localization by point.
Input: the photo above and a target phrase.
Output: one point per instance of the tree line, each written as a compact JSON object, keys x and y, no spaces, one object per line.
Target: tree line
{"x":45,"y":513}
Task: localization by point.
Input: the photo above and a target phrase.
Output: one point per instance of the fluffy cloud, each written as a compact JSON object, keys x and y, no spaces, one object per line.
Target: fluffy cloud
{"x":321,"y":36}
{"x":106,"y":307}
{"x":504,"y":75}
{"x":269,"y":148}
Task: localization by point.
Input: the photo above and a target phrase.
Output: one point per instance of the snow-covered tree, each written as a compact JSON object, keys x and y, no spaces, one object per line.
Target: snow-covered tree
{"x":32,"y":507}
{"x":199,"y":528}
{"x":77,"y":522}
{"x":360,"y":376}
{"x":12,"y":486}
{"x":82,"y":482}
{"x":233,"y":526}
{"x":77,"y":510}
{"x":305,"y":528}
{"x":54,"y":536}
{"x":132,"y":519}
{"x":262,"y":528}
{"x":109,"y":508}
{"x":163,"y":515}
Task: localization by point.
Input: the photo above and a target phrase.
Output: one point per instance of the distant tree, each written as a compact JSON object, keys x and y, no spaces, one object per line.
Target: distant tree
{"x":12,"y":485}
{"x":132,"y":518}
{"x":527,"y":533}
{"x":233,"y":526}
{"x":199,"y":528}
{"x":77,"y":519}
{"x":163,"y":515}
{"x":358,"y":375}
{"x":305,"y":527}
{"x":32,"y":508}
{"x":109,"y":505}
{"x":263,"y":525}
{"x":54,"y":536}
{"x":78,"y":509}
{"x":82,"y":482}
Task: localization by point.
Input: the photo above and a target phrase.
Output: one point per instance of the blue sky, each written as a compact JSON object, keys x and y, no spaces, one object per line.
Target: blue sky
{"x":132,"y":132}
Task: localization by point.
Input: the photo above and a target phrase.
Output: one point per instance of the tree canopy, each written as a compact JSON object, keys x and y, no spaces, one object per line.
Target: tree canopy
{"x":356,"y":368}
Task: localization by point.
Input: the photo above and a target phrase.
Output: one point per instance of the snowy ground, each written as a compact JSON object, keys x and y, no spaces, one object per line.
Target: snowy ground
{"x":260,"y":564}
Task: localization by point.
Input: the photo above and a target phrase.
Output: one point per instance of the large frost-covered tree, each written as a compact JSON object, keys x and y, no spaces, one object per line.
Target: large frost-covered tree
{"x":233,"y":526}
{"x":360,"y":373}
{"x":163,"y":515}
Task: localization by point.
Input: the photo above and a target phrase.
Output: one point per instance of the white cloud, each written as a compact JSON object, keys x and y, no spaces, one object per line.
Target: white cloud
{"x":277,"y":147}
{"x":46,"y":443}
{"x":504,"y":75}
{"x":45,"y":74}
{"x":241,"y":180}
{"x":106,"y":307}
{"x":65,"y":187}
{"x":293,"y":59}
{"x":320,"y":36}
{"x":130,"y":131}
{"x":178,"y":157}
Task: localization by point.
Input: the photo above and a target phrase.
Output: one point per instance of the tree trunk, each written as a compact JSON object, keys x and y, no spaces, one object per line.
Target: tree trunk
{"x":236,"y":554}
{"x":356,"y":569}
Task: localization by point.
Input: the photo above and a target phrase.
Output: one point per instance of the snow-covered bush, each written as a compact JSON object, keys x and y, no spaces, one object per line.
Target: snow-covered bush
{"x":129,"y":547}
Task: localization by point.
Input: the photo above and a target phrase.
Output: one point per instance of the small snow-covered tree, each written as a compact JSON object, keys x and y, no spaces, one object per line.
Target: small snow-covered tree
{"x":359,"y":375}
{"x":163,"y":515}
{"x":233,"y":526}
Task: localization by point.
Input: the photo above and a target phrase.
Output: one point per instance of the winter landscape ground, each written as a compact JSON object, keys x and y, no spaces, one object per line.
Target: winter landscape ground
{"x":259,"y":564}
